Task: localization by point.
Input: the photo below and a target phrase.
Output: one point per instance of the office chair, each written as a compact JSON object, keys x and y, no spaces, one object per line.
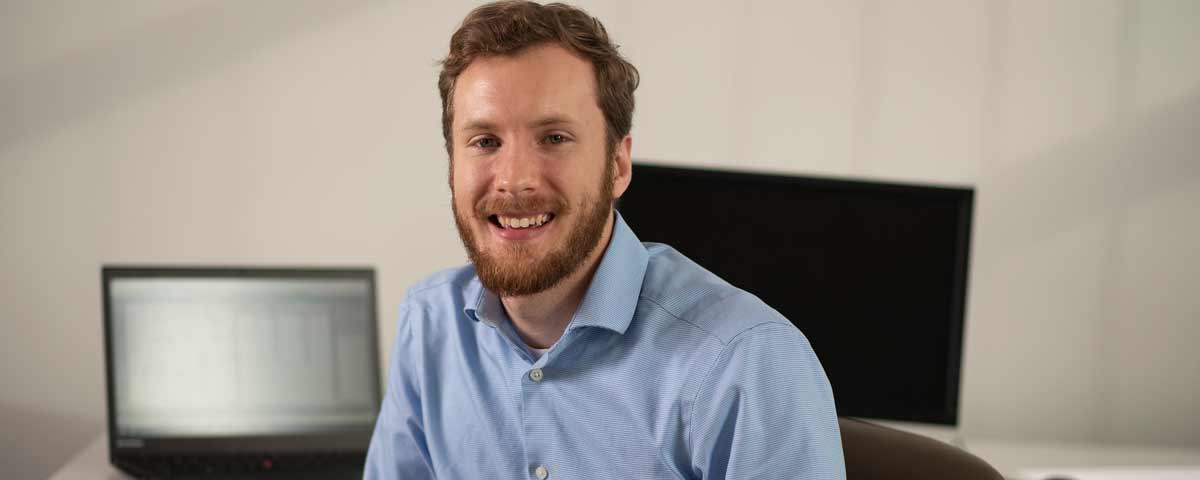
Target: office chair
{"x":875,"y":452}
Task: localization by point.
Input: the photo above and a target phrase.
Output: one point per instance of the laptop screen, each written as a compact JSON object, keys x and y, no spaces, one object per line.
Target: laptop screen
{"x":207,"y":353}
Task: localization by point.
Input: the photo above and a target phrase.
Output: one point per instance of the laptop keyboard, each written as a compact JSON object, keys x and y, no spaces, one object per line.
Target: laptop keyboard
{"x":154,"y":466}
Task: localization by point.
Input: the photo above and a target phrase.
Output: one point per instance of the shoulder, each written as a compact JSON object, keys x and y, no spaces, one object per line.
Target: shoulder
{"x":433,"y":306}
{"x":692,"y":294}
{"x":451,"y":285}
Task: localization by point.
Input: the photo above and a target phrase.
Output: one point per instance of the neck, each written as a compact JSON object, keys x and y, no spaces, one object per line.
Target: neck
{"x":541,"y":318}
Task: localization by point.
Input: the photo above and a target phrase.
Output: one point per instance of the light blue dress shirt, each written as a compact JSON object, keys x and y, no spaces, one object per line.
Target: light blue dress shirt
{"x":665,"y":371}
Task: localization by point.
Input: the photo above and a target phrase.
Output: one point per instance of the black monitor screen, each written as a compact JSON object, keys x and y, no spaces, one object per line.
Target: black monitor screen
{"x":874,"y":274}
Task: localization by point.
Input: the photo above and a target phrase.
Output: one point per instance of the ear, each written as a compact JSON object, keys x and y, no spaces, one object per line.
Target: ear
{"x":624,"y":168}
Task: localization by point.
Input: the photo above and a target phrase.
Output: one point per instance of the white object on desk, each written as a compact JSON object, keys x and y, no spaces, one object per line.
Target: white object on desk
{"x":91,"y":463}
{"x":1178,"y":473}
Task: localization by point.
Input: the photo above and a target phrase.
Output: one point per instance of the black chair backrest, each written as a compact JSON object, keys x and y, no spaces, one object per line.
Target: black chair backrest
{"x":875,"y":452}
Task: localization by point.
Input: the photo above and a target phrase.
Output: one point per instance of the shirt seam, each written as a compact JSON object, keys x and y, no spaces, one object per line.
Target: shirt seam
{"x":406,"y":310}
{"x":725,"y":345}
{"x":421,"y":289}
{"x":689,"y":322}
{"x":711,"y":369}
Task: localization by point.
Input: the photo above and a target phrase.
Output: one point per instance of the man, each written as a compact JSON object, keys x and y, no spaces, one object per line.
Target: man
{"x":568,"y":349}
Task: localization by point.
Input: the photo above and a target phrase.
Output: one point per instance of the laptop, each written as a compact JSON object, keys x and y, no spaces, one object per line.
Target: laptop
{"x":240,"y":372}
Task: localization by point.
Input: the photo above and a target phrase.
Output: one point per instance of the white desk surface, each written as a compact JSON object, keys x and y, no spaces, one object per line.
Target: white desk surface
{"x":1035,"y":460}
{"x":91,"y":463}
{"x":1014,"y":459}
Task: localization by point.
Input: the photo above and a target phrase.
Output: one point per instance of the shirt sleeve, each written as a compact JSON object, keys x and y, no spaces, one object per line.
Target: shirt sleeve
{"x":766,"y":411}
{"x":398,"y":449}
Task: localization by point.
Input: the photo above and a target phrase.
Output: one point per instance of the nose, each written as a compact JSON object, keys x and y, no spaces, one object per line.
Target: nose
{"x":517,"y":170}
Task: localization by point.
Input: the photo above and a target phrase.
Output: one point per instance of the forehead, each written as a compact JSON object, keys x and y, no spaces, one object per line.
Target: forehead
{"x":539,"y":82}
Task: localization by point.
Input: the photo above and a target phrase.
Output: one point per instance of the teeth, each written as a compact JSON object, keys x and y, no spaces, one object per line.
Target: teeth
{"x":512,"y":222}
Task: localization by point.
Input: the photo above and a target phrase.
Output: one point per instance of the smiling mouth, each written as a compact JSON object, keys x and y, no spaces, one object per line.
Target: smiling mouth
{"x":517,"y":222}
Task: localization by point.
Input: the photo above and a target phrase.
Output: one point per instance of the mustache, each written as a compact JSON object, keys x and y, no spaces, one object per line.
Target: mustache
{"x":489,"y":205}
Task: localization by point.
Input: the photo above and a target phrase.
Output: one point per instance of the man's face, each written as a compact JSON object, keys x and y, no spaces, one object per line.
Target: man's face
{"x":532,"y":182}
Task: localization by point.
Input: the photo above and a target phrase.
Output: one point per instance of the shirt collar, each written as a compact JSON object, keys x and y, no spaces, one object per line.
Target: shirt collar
{"x":611,"y":297}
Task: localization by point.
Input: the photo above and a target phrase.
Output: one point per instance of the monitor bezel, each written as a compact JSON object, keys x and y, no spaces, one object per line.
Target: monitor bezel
{"x":347,"y":440}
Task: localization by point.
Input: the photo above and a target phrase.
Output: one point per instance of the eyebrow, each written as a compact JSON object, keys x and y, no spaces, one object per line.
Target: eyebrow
{"x":484,"y":125}
{"x":477,"y":125}
{"x":552,"y":120}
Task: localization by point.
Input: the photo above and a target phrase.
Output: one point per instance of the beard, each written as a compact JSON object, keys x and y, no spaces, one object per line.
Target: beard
{"x":517,"y":270}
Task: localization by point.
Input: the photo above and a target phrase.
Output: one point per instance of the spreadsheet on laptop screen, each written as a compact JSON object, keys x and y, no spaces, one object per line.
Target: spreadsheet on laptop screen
{"x":242,"y":356}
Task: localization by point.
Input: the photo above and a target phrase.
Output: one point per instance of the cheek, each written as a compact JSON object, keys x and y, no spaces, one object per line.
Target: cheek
{"x":463,"y":182}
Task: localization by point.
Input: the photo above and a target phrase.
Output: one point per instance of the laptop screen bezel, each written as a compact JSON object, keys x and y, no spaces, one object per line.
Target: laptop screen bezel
{"x":350,"y":440}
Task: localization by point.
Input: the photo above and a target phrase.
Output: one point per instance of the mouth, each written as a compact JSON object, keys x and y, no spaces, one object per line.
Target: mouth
{"x":520,"y":221}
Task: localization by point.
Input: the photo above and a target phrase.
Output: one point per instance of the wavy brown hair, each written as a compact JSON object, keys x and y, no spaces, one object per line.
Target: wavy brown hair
{"x":508,"y":27}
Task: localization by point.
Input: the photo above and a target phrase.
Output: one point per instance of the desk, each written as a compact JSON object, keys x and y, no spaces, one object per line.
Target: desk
{"x":1016,"y":460}
{"x":1024,"y":460}
{"x":91,"y":463}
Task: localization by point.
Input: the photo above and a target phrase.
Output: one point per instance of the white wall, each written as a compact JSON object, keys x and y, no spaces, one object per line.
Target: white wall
{"x":302,"y":132}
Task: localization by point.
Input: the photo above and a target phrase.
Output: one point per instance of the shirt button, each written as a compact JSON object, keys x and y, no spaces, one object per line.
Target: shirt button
{"x":536,"y":375}
{"x":541,"y":472}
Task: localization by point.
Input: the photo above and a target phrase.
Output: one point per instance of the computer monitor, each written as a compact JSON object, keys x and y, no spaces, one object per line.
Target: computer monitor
{"x":232,"y":360}
{"x":873,"y":273}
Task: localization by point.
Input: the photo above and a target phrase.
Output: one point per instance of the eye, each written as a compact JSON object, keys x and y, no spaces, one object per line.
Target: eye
{"x":487,"y":142}
{"x":556,"y":138}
